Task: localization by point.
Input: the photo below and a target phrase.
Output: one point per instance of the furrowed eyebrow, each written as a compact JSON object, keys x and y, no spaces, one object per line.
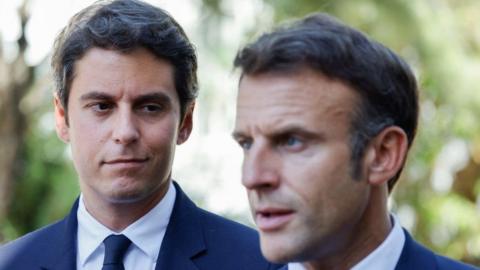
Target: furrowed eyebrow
{"x":282,"y":132}
{"x":96,"y":96}
{"x":153,"y":97}
{"x":150,"y":97}
{"x":237,"y":135}
{"x":293,"y":129}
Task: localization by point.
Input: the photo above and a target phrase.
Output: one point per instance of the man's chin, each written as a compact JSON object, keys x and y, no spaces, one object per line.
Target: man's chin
{"x":276,"y":251}
{"x":127,"y":196}
{"x":275,"y":257}
{"x":124,"y":199}
{"x":135,"y":194}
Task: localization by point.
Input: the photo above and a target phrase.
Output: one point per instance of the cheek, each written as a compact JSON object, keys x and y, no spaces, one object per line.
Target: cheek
{"x":311,"y":177}
{"x":88,"y":144}
{"x":321,"y":182}
{"x":161,"y":138}
{"x":86,"y":138}
{"x":86,"y":129}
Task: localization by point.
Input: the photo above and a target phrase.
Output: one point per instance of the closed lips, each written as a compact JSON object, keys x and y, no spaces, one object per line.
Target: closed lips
{"x":126,"y":160}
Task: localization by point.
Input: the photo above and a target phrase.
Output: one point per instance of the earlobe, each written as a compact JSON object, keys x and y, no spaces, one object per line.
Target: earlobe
{"x":386,"y":155}
{"x":186,"y":125}
{"x":61,"y":124}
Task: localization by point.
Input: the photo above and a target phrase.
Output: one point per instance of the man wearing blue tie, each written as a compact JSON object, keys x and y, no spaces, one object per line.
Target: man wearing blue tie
{"x":126,"y":84}
{"x":325,"y":117}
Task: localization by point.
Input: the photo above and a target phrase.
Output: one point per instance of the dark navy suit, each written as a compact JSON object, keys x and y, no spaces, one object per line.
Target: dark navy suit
{"x":414,"y":256}
{"x":195,"y":240}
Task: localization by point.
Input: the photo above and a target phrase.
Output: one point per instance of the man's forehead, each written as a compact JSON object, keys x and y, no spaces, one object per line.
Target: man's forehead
{"x":273,"y":102}
{"x":295,"y":91}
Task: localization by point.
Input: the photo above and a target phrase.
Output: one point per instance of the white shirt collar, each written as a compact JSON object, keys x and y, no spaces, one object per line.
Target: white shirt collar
{"x":384,"y":257}
{"x":146,"y":233}
{"x":388,"y":253}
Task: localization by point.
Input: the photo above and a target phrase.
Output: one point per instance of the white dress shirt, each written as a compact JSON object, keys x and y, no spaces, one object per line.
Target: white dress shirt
{"x":384,"y":257}
{"x":146,"y":235}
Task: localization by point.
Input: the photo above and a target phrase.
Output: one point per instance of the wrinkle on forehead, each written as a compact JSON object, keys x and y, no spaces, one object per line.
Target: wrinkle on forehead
{"x":308,"y":98}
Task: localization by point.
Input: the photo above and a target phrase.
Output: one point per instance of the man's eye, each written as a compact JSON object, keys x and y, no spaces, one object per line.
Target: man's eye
{"x":150,"y":108}
{"x":101,"y":107}
{"x":291,"y":143}
{"x":245,"y":144}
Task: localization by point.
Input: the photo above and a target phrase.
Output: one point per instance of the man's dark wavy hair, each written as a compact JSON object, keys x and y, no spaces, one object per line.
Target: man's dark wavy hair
{"x":124,"y":25}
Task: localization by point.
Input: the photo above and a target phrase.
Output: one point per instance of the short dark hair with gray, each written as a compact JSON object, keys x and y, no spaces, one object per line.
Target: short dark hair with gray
{"x":385,"y":83}
{"x":124,"y":25}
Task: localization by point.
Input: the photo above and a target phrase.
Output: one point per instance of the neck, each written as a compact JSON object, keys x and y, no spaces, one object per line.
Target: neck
{"x":119,"y":215}
{"x":369,"y":233}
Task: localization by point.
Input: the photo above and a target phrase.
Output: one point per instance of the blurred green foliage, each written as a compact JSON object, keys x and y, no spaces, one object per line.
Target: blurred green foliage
{"x":47,"y":185}
{"x":437,"y":199}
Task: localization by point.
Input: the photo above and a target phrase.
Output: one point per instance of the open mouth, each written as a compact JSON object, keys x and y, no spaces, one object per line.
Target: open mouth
{"x":273,"y":219}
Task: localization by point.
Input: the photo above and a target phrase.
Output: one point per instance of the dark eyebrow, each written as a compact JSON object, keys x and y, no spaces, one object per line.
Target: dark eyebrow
{"x":289,"y":129}
{"x":149,"y":97}
{"x":238,"y":134}
{"x":153,"y":97}
{"x":295,"y":129}
{"x":96,"y":96}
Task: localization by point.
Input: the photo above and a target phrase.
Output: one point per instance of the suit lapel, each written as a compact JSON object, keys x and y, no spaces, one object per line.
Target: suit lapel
{"x":184,"y":236}
{"x":415,"y":256}
{"x":63,"y":255}
{"x":182,"y":242}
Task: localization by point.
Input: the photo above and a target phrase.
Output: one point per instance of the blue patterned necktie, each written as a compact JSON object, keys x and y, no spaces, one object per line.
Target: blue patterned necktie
{"x":115,"y":248}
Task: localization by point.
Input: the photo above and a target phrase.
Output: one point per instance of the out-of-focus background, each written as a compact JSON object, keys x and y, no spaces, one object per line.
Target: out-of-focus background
{"x":437,"y":198}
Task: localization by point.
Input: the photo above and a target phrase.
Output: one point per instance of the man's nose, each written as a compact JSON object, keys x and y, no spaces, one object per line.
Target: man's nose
{"x":125,"y":130}
{"x":260,"y":168}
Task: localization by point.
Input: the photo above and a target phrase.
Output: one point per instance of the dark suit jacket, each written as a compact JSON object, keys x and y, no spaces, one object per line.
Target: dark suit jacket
{"x":414,"y":256}
{"x":195,"y":240}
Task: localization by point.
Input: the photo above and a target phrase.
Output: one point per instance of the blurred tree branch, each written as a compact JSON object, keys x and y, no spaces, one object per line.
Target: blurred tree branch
{"x":16,"y":78}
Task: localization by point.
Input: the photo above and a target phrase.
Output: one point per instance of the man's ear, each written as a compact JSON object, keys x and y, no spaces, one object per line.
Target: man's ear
{"x":186,"y":125}
{"x":386,"y":154}
{"x":61,"y":121}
